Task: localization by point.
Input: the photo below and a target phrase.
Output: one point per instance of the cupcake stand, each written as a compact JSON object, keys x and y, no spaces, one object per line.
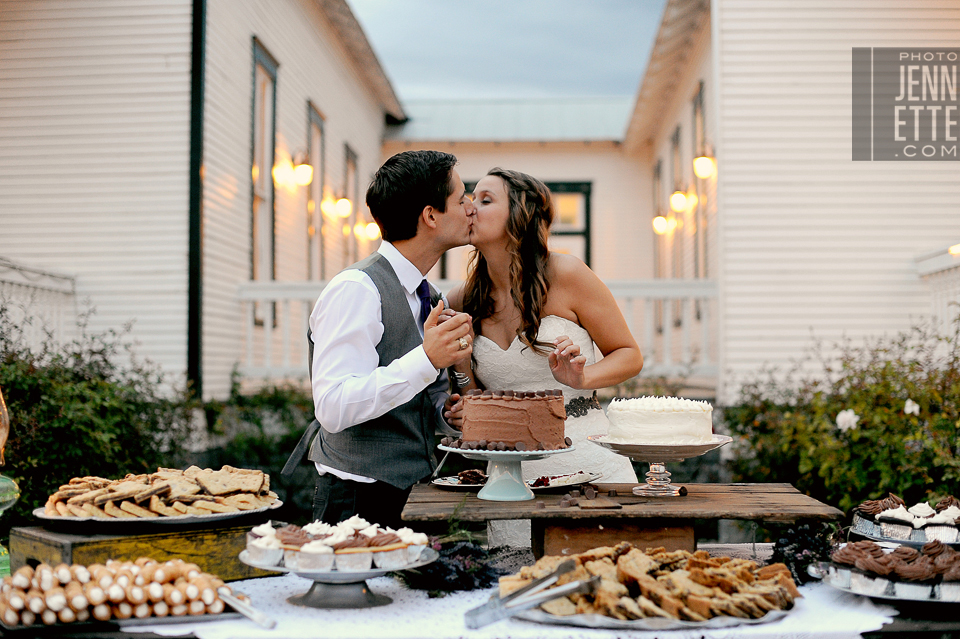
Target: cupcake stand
{"x":341,"y":589}
{"x":504,"y":471}
{"x":658,"y":478}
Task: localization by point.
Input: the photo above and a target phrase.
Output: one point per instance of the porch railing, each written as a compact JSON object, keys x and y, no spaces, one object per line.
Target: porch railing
{"x":673,"y":321}
{"x":941,"y":272}
{"x":38,"y":303}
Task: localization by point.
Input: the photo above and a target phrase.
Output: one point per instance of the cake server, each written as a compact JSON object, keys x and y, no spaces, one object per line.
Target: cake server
{"x":530,"y":596}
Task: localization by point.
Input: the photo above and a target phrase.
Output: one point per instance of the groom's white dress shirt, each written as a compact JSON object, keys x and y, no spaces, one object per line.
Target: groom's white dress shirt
{"x":349,"y":385}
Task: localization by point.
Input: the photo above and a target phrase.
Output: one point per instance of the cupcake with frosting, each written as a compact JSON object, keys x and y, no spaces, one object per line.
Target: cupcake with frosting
{"x":315,"y":555}
{"x":265,"y":550}
{"x":415,"y":541}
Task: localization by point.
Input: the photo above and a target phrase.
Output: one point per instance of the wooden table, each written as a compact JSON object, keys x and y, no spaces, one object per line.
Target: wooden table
{"x":645,"y":521}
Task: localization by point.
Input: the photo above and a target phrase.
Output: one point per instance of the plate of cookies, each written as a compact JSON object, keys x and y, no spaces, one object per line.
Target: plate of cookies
{"x":168,"y":496}
{"x":658,"y":589}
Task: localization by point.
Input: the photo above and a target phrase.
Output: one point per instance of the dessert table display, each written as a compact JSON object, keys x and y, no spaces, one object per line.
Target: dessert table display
{"x":562,"y":527}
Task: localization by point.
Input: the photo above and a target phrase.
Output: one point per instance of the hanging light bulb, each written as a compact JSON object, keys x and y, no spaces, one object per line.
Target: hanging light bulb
{"x":328,"y":206}
{"x":678,"y":201}
{"x":704,"y":167}
{"x":954,"y":250}
{"x":372,"y":231}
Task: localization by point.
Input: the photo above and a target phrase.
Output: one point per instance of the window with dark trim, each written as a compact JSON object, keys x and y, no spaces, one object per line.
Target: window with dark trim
{"x":658,"y":240}
{"x":351,"y":190}
{"x":263,"y":144}
{"x":316,"y":233}
{"x":700,"y":219}
{"x":570,"y":232}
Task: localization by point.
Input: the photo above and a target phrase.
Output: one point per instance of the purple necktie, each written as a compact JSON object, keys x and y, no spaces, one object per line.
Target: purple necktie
{"x":423,"y":292}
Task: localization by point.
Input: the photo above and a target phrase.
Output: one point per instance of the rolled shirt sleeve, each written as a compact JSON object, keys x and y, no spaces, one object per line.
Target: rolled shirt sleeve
{"x":349,"y":385}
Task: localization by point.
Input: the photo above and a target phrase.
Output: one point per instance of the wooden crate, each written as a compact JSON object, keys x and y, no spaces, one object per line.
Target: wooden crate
{"x":214,"y":550}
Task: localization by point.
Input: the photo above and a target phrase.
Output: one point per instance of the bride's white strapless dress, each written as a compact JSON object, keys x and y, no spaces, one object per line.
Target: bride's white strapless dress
{"x":522,"y":369}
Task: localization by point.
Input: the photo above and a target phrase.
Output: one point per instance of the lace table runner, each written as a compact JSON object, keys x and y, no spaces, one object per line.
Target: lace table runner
{"x":823,"y":612}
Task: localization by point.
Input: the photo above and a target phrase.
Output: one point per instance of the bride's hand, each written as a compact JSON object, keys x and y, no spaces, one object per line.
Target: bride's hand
{"x":566,"y":362}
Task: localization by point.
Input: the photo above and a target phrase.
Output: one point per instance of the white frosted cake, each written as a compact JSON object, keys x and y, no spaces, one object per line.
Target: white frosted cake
{"x":660,"y":420}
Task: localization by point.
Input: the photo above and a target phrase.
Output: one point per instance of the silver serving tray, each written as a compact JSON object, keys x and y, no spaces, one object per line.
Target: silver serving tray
{"x":182,"y":519}
{"x":889,"y":591}
{"x":453,"y":483}
{"x":332,"y":576}
{"x":873,"y":530}
{"x":112,"y":624}
{"x":648,"y":623}
{"x":657,"y":453}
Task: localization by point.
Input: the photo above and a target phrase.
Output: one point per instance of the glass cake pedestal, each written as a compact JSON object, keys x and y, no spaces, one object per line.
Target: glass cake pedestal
{"x":504,"y":471}
{"x":658,"y":478}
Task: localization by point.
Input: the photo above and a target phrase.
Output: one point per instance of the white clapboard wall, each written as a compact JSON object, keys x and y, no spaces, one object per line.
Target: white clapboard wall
{"x":94,"y":157}
{"x":314,"y":66}
{"x":811,"y":243}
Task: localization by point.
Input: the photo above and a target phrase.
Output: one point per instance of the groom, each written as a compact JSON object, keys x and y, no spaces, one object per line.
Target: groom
{"x":378,"y":352}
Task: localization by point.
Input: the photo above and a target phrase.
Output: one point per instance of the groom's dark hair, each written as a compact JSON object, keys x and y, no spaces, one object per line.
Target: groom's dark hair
{"x":404,"y":185}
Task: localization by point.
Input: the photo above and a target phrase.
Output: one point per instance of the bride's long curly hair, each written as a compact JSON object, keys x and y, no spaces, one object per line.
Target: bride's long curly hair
{"x":528,"y":229}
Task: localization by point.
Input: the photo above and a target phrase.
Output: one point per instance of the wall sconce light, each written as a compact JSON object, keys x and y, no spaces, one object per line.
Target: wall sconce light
{"x":344,"y":207}
{"x":302,"y":170}
{"x":704,"y":167}
{"x":678,"y":201}
{"x":328,"y":206}
{"x":660,"y":225}
{"x":283,"y":173}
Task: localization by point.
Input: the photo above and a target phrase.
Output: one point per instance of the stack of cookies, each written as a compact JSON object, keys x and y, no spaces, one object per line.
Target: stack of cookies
{"x":166,"y":493}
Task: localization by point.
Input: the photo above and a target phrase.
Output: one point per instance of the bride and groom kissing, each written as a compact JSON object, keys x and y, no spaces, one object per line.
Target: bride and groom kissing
{"x":384,"y":342}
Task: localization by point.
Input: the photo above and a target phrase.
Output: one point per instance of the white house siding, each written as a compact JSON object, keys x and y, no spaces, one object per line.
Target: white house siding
{"x":619,"y":215}
{"x":312,"y":66}
{"x":812,"y":241}
{"x":94,"y":157}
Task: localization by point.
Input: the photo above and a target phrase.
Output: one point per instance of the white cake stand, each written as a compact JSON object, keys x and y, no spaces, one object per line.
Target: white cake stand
{"x":658,"y":478}
{"x":504,"y":472}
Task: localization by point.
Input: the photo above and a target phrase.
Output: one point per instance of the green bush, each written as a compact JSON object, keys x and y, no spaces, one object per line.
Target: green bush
{"x":840,"y":428}
{"x":260,"y":430}
{"x":75,"y":411}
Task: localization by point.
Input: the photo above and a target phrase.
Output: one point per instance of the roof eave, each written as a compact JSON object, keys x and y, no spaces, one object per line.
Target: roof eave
{"x":358,"y":47}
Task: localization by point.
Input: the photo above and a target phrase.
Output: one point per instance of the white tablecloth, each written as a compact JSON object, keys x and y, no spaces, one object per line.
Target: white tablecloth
{"x":823,"y":612}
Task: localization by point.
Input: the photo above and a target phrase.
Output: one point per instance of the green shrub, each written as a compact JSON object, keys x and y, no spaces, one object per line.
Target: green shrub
{"x":75,"y":411}
{"x":260,"y":430}
{"x":786,"y":428}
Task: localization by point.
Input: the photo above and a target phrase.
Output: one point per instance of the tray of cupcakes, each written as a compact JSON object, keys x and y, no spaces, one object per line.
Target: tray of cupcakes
{"x":352,"y":550}
{"x":930,"y":573}
{"x":890,"y":519}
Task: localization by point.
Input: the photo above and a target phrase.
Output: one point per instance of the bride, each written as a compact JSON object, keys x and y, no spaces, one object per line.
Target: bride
{"x":537,"y":316}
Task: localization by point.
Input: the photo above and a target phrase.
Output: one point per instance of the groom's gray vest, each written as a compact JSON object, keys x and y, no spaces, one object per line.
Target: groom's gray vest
{"x":397,"y":447}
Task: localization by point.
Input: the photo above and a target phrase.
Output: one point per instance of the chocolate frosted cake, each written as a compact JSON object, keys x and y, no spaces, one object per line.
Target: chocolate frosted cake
{"x":508,"y":420}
